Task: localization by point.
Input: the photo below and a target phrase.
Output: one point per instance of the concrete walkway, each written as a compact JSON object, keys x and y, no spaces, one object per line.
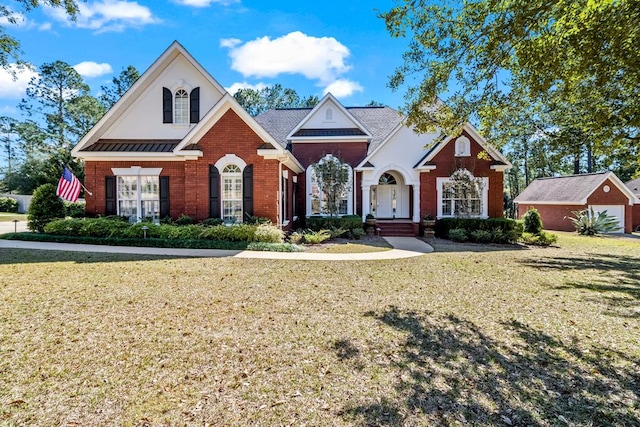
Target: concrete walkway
{"x":403,"y":247}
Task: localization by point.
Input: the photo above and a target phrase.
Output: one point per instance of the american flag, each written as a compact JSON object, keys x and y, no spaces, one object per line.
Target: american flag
{"x":68,"y":186}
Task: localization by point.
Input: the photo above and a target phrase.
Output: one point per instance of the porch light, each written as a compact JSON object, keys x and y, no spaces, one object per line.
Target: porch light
{"x":144,"y":231}
{"x":15,"y":225}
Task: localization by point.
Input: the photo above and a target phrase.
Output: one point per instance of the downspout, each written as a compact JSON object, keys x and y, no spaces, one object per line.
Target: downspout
{"x":354,"y":206}
{"x":279,"y":198}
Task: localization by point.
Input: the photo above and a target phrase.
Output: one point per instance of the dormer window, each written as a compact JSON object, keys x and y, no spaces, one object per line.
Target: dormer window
{"x":180,"y":107}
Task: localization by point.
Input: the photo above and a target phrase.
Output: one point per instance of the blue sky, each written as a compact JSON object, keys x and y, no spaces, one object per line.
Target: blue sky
{"x":312,"y":47}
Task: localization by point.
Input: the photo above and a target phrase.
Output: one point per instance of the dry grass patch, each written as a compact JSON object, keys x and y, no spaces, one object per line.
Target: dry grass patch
{"x":344,"y":246}
{"x":475,"y":337}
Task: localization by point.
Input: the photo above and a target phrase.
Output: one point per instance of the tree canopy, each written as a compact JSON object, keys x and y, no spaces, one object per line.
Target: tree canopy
{"x":478,"y":49}
{"x":9,"y":46}
{"x":258,"y":101}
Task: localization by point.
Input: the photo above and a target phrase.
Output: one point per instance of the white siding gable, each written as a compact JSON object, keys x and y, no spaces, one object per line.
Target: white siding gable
{"x":143,"y":118}
{"x":329,"y":116}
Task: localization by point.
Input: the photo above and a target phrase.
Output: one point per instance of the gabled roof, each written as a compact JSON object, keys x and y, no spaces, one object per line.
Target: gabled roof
{"x":499,"y":161}
{"x":569,"y":190}
{"x":634,"y":186}
{"x":379,"y":122}
{"x":145,"y":80}
{"x":330,"y":99}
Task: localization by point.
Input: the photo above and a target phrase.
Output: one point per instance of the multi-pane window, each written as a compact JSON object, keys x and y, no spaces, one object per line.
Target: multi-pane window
{"x":139,"y":197}
{"x":232,"y":194}
{"x":317,"y":202}
{"x":463,"y":198}
{"x":181,"y":107}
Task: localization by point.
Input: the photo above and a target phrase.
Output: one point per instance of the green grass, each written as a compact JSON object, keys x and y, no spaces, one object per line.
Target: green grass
{"x":468,"y":336}
{"x":6,"y":216}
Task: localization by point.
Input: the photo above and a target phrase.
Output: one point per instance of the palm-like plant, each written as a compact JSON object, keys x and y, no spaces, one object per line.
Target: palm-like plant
{"x":590,"y":223}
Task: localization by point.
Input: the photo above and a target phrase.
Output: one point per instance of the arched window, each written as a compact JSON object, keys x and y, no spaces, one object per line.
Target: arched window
{"x":328,"y":114}
{"x":232,"y":194}
{"x":387,"y":179}
{"x":181,"y":107}
{"x":327,"y":198}
{"x":463,"y":147}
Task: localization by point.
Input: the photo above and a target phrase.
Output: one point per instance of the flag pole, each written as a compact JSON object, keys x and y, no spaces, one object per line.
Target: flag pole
{"x":81,"y":184}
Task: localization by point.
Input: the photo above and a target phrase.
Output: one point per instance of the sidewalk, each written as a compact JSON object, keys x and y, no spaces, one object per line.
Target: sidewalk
{"x":403,"y":247}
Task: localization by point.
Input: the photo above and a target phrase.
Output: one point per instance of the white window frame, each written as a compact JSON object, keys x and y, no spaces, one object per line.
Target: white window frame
{"x":348,"y":197}
{"x":181,"y":113}
{"x":233,"y":196}
{"x":463,"y":147}
{"x":484,"y":198}
{"x":139,"y":174}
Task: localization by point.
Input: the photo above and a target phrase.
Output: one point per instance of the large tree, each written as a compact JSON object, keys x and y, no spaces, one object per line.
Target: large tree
{"x":472,"y":53}
{"x":119,"y":85}
{"x":9,"y":46}
{"x":258,"y":101}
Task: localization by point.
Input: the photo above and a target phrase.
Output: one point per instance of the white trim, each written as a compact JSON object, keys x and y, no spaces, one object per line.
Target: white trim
{"x":136,"y":171}
{"x":350,"y":191}
{"x":140,"y":86}
{"x":328,"y":98}
{"x":230,"y":159}
{"x":369,"y":156}
{"x":556,"y":203}
{"x":462,"y":147}
{"x":484,"y":199}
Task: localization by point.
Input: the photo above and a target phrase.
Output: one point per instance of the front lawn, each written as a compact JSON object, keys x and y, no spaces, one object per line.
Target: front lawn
{"x":7,"y":216}
{"x":468,"y":336}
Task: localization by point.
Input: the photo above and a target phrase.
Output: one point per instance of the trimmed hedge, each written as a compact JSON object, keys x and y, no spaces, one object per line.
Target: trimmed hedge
{"x":118,"y":241}
{"x":8,"y":204}
{"x":346,"y":222}
{"x":500,"y":230}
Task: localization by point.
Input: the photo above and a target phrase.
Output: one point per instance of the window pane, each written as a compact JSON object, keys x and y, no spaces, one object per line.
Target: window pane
{"x":181,"y":107}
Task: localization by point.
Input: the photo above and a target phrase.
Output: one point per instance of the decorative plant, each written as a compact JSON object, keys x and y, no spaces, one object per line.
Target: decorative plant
{"x":466,"y":188}
{"x":429,"y":217}
{"x":532,"y":221}
{"x":370,"y":216}
{"x":590,"y":223}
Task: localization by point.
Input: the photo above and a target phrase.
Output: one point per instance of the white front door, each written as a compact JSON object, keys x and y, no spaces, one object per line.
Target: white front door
{"x":391,"y":201}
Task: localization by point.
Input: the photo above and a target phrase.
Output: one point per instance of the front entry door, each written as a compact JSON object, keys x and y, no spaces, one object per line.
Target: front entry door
{"x":387,"y":200}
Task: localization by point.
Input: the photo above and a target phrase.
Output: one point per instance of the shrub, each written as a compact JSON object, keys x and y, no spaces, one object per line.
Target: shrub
{"x":458,"y":235}
{"x":532,"y":221}
{"x":64,"y":227}
{"x":8,"y":204}
{"x":234,"y":233}
{"x":256,"y":220}
{"x":541,"y":239}
{"x":347,"y":222}
{"x":184,"y":220}
{"x":481,"y":236}
{"x":588,"y":223}
{"x":358,"y":233}
{"x":510,"y":230}
{"x":296,"y":238}
{"x":315,"y":237}
{"x":268,"y":233}
{"x":211,"y":222}
{"x":88,"y":227}
{"x":74,"y":210}
{"x":273,"y":247}
{"x":45,"y":207}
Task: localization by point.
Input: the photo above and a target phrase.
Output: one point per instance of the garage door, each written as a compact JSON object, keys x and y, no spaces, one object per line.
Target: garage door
{"x":612,"y":210}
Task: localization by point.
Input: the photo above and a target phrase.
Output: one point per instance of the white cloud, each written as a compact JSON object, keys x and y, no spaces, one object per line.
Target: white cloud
{"x":205,"y":3}
{"x":45,"y":26}
{"x":19,"y":20}
{"x":316,"y":58}
{"x":15,"y":87}
{"x":230,"y":43}
{"x":92,"y":69}
{"x":107,"y":15}
{"x":342,"y":88}
{"x":244,"y":85}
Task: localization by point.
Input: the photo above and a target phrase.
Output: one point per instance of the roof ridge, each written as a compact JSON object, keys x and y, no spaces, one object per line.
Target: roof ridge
{"x":573,"y":175}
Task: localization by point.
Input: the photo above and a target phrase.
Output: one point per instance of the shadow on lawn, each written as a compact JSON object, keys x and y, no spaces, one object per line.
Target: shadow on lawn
{"x":444,"y":245}
{"x":31,"y":256}
{"x":450,"y":372}
{"x":611,"y":274}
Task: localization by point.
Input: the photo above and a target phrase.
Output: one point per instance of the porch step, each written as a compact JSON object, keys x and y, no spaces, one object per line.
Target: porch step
{"x":398,"y":229}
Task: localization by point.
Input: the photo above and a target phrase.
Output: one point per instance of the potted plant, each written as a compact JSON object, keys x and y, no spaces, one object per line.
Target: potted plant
{"x":370,"y":219}
{"x":429,"y":221}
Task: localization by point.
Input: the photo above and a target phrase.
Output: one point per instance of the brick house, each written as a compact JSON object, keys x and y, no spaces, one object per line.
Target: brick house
{"x":634,"y":186}
{"x":178,"y":143}
{"x":557,"y":198}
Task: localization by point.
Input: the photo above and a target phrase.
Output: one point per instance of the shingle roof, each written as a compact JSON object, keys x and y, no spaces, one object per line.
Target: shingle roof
{"x":634,"y":186}
{"x":134,"y":146}
{"x":573,"y":189}
{"x":330,"y":132}
{"x":378,"y":121}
